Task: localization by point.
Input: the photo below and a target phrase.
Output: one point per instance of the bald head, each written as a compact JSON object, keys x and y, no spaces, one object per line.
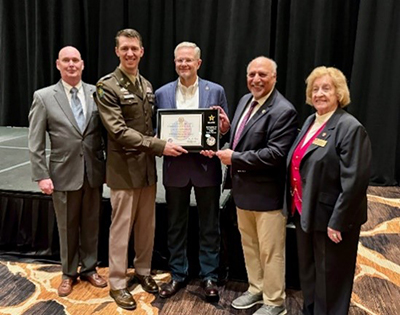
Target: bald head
{"x":264,"y":60}
{"x":68,"y":50}
{"x":261,"y":76}
{"x":70,"y":65}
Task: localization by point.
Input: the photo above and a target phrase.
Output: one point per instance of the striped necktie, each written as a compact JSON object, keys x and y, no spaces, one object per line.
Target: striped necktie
{"x":240,"y":129}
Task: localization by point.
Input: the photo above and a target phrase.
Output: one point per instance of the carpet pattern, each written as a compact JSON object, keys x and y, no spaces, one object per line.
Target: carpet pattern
{"x":377,"y":279}
{"x":31,"y":288}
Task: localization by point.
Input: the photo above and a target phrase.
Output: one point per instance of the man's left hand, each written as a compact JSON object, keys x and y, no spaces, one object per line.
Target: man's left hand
{"x":208,"y":153}
{"x":224,"y":123}
{"x":225,"y":156}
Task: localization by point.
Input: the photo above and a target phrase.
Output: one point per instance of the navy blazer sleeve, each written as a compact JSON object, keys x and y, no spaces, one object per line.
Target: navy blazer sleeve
{"x":354,"y":152}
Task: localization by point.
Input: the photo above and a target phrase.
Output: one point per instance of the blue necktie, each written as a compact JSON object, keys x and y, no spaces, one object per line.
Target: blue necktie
{"x":77,"y":108}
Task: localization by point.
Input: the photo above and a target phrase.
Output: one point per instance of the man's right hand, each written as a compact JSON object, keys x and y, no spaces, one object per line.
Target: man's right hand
{"x":46,"y":186}
{"x":172,"y":149}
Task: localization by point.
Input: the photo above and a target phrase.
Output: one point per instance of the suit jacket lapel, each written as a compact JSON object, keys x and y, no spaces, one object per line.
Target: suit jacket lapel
{"x":204,"y":94}
{"x":300,"y":136}
{"x":263,"y":110}
{"x":172,"y":95}
{"x":242,"y":105}
{"x":89,"y":102}
{"x":327,"y":131}
{"x":260,"y":112}
{"x":62,"y":100}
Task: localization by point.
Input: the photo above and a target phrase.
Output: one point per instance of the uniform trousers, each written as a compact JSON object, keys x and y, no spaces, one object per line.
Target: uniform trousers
{"x":263,"y":235}
{"x":326,"y":270}
{"x":131,"y":209}
{"x":77,"y":214}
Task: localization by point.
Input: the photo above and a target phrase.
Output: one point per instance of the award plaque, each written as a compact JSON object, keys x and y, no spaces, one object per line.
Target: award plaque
{"x":193,"y":129}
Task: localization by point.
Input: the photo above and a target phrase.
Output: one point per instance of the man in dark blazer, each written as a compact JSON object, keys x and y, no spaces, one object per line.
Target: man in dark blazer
{"x":75,"y":175}
{"x":263,"y":129}
{"x":202,"y":173}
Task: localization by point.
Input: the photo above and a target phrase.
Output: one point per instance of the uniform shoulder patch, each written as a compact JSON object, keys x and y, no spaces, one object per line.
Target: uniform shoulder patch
{"x":99,"y":90}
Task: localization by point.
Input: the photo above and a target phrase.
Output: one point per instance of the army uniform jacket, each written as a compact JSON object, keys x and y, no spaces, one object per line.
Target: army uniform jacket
{"x":126,"y":111}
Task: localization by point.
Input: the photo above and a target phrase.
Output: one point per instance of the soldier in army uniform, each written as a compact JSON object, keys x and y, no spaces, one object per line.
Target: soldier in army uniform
{"x":126,"y":100}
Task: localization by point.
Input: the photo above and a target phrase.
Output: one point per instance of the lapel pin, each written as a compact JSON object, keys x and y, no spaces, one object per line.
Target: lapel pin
{"x":263,"y":111}
{"x":324,"y":134}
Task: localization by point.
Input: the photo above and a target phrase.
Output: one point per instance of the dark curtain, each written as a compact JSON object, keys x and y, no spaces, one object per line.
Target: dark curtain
{"x":375,"y":85}
{"x":359,"y":37}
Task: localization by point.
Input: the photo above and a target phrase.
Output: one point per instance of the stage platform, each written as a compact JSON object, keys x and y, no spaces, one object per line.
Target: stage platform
{"x":15,"y":171}
{"x":28,"y":227}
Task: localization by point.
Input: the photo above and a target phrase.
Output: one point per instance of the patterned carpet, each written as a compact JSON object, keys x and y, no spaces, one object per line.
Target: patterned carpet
{"x":31,"y":288}
{"x":377,"y":280}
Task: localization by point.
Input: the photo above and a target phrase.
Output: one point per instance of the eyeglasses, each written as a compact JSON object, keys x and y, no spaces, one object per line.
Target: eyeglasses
{"x":181,"y":61}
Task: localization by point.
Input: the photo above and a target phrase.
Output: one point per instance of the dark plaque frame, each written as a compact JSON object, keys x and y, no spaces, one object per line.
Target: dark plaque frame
{"x":209,"y":129}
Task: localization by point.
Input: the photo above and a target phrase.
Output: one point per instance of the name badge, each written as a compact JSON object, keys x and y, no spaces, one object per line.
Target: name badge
{"x":319,"y":142}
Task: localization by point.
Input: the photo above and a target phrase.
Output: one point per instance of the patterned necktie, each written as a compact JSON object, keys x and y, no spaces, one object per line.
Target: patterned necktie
{"x":240,"y":129}
{"x":77,"y":108}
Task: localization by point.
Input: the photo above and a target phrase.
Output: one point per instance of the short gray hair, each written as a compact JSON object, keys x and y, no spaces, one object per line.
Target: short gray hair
{"x":197,"y":50}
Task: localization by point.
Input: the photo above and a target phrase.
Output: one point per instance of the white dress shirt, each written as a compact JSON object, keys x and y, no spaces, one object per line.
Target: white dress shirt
{"x":187,"y":97}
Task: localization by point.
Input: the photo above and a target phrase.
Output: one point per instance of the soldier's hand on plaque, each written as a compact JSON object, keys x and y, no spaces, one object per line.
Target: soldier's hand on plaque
{"x":224,"y":123}
{"x":172,"y":149}
{"x":208,"y":153}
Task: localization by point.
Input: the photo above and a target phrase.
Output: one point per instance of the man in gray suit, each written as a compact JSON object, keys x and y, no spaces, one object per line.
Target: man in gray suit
{"x":75,"y":175}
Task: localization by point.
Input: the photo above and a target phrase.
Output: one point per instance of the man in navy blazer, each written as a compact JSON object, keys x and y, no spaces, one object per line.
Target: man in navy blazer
{"x":263,"y":129}
{"x":195,"y":170}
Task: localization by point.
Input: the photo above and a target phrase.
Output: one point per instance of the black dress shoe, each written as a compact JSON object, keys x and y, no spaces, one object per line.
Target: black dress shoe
{"x":211,"y":291}
{"x":147,"y":282}
{"x":171,"y":288}
{"x":123,"y":298}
